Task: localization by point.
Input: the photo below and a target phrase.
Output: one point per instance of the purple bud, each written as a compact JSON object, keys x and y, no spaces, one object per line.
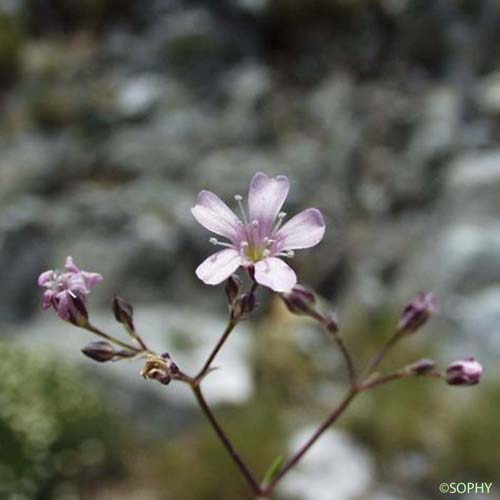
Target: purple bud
{"x":124,"y":313}
{"x":99,"y":351}
{"x":422,"y":366}
{"x":243,"y":305}
{"x":417,"y":312}
{"x":300,"y":300}
{"x":464,"y":372}
{"x":232,"y":288}
{"x":76,"y":311}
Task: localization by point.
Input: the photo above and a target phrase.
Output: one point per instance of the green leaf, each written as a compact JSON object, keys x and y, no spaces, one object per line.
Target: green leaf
{"x":274,"y":469}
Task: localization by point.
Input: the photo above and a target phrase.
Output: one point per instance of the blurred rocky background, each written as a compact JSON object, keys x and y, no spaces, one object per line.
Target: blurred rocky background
{"x":385,"y":115}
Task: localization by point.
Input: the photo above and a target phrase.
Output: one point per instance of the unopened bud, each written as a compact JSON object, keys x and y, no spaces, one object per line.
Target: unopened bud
{"x":77,"y":311}
{"x":243,"y":305}
{"x":464,"y":372}
{"x":299,"y":300}
{"x":100,"y":351}
{"x":160,"y":368}
{"x":124,"y":313}
{"x":422,"y":366}
{"x":417,"y":312}
{"x":232,"y":288}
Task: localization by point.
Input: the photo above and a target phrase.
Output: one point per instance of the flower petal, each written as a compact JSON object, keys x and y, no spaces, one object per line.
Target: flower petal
{"x":266,"y":197}
{"x":48,"y":295}
{"x":304,"y":230}
{"x":71,"y":266}
{"x":219,"y":266}
{"x":275,"y":274}
{"x":46,"y":278}
{"x":63,"y":305}
{"x":91,"y":279}
{"x":212,"y":213}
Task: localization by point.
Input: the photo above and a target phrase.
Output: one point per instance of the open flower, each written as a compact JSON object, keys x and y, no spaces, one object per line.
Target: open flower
{"x":66,"y":292}
{"x":258,"y":239}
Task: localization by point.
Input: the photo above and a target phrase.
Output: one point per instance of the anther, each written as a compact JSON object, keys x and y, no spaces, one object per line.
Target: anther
{"x":239,"y":199}
{"x":213,"y":240}
{"x":280,"y":217}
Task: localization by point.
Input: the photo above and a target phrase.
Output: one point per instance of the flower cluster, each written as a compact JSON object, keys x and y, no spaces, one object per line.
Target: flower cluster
{"x":257,"y":242}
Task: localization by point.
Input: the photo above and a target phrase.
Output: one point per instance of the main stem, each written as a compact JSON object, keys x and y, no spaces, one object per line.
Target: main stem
{"x":245,"y":471}
{"x":317,"y":434}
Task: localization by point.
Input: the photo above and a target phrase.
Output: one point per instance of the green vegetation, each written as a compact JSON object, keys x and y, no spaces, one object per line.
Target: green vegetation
{"x":54,"y":427}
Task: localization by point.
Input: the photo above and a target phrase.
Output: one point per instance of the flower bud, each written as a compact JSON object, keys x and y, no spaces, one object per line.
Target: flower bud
{"x":232,"y":288}
{"x":124,"y":313}
{"x":464,"y":372}
{"x":422,"y":366}
{"x":417,"y":312}
{"x":299,"y":301}
{"x":160,"y":368}
{"x":100,"y":351}
{"x":243,"y":305}
{"x":76,"y":311}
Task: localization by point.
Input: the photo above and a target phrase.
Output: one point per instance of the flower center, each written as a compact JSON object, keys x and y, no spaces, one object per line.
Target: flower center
{"x":254,"y":241}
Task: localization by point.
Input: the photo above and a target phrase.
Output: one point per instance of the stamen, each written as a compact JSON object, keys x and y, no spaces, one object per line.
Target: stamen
{"x":239,"y":199}
{"x":280,"y":218}
{"x":216,"y":242}
{"x":287,"y":253}
{"x":243,"y":247}
{"x":266,"y":253}
{"x":254,"y":233}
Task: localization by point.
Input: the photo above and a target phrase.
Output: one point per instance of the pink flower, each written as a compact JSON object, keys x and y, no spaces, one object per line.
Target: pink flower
{"x":66,"y":292}
{"x":259,"y":239}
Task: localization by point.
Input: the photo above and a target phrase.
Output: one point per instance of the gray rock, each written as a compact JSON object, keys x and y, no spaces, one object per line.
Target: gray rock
{"x":487,"y":93}
{"x":472,"y":185}
{"x":438,"y":125}
{"x":137,"y":95}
